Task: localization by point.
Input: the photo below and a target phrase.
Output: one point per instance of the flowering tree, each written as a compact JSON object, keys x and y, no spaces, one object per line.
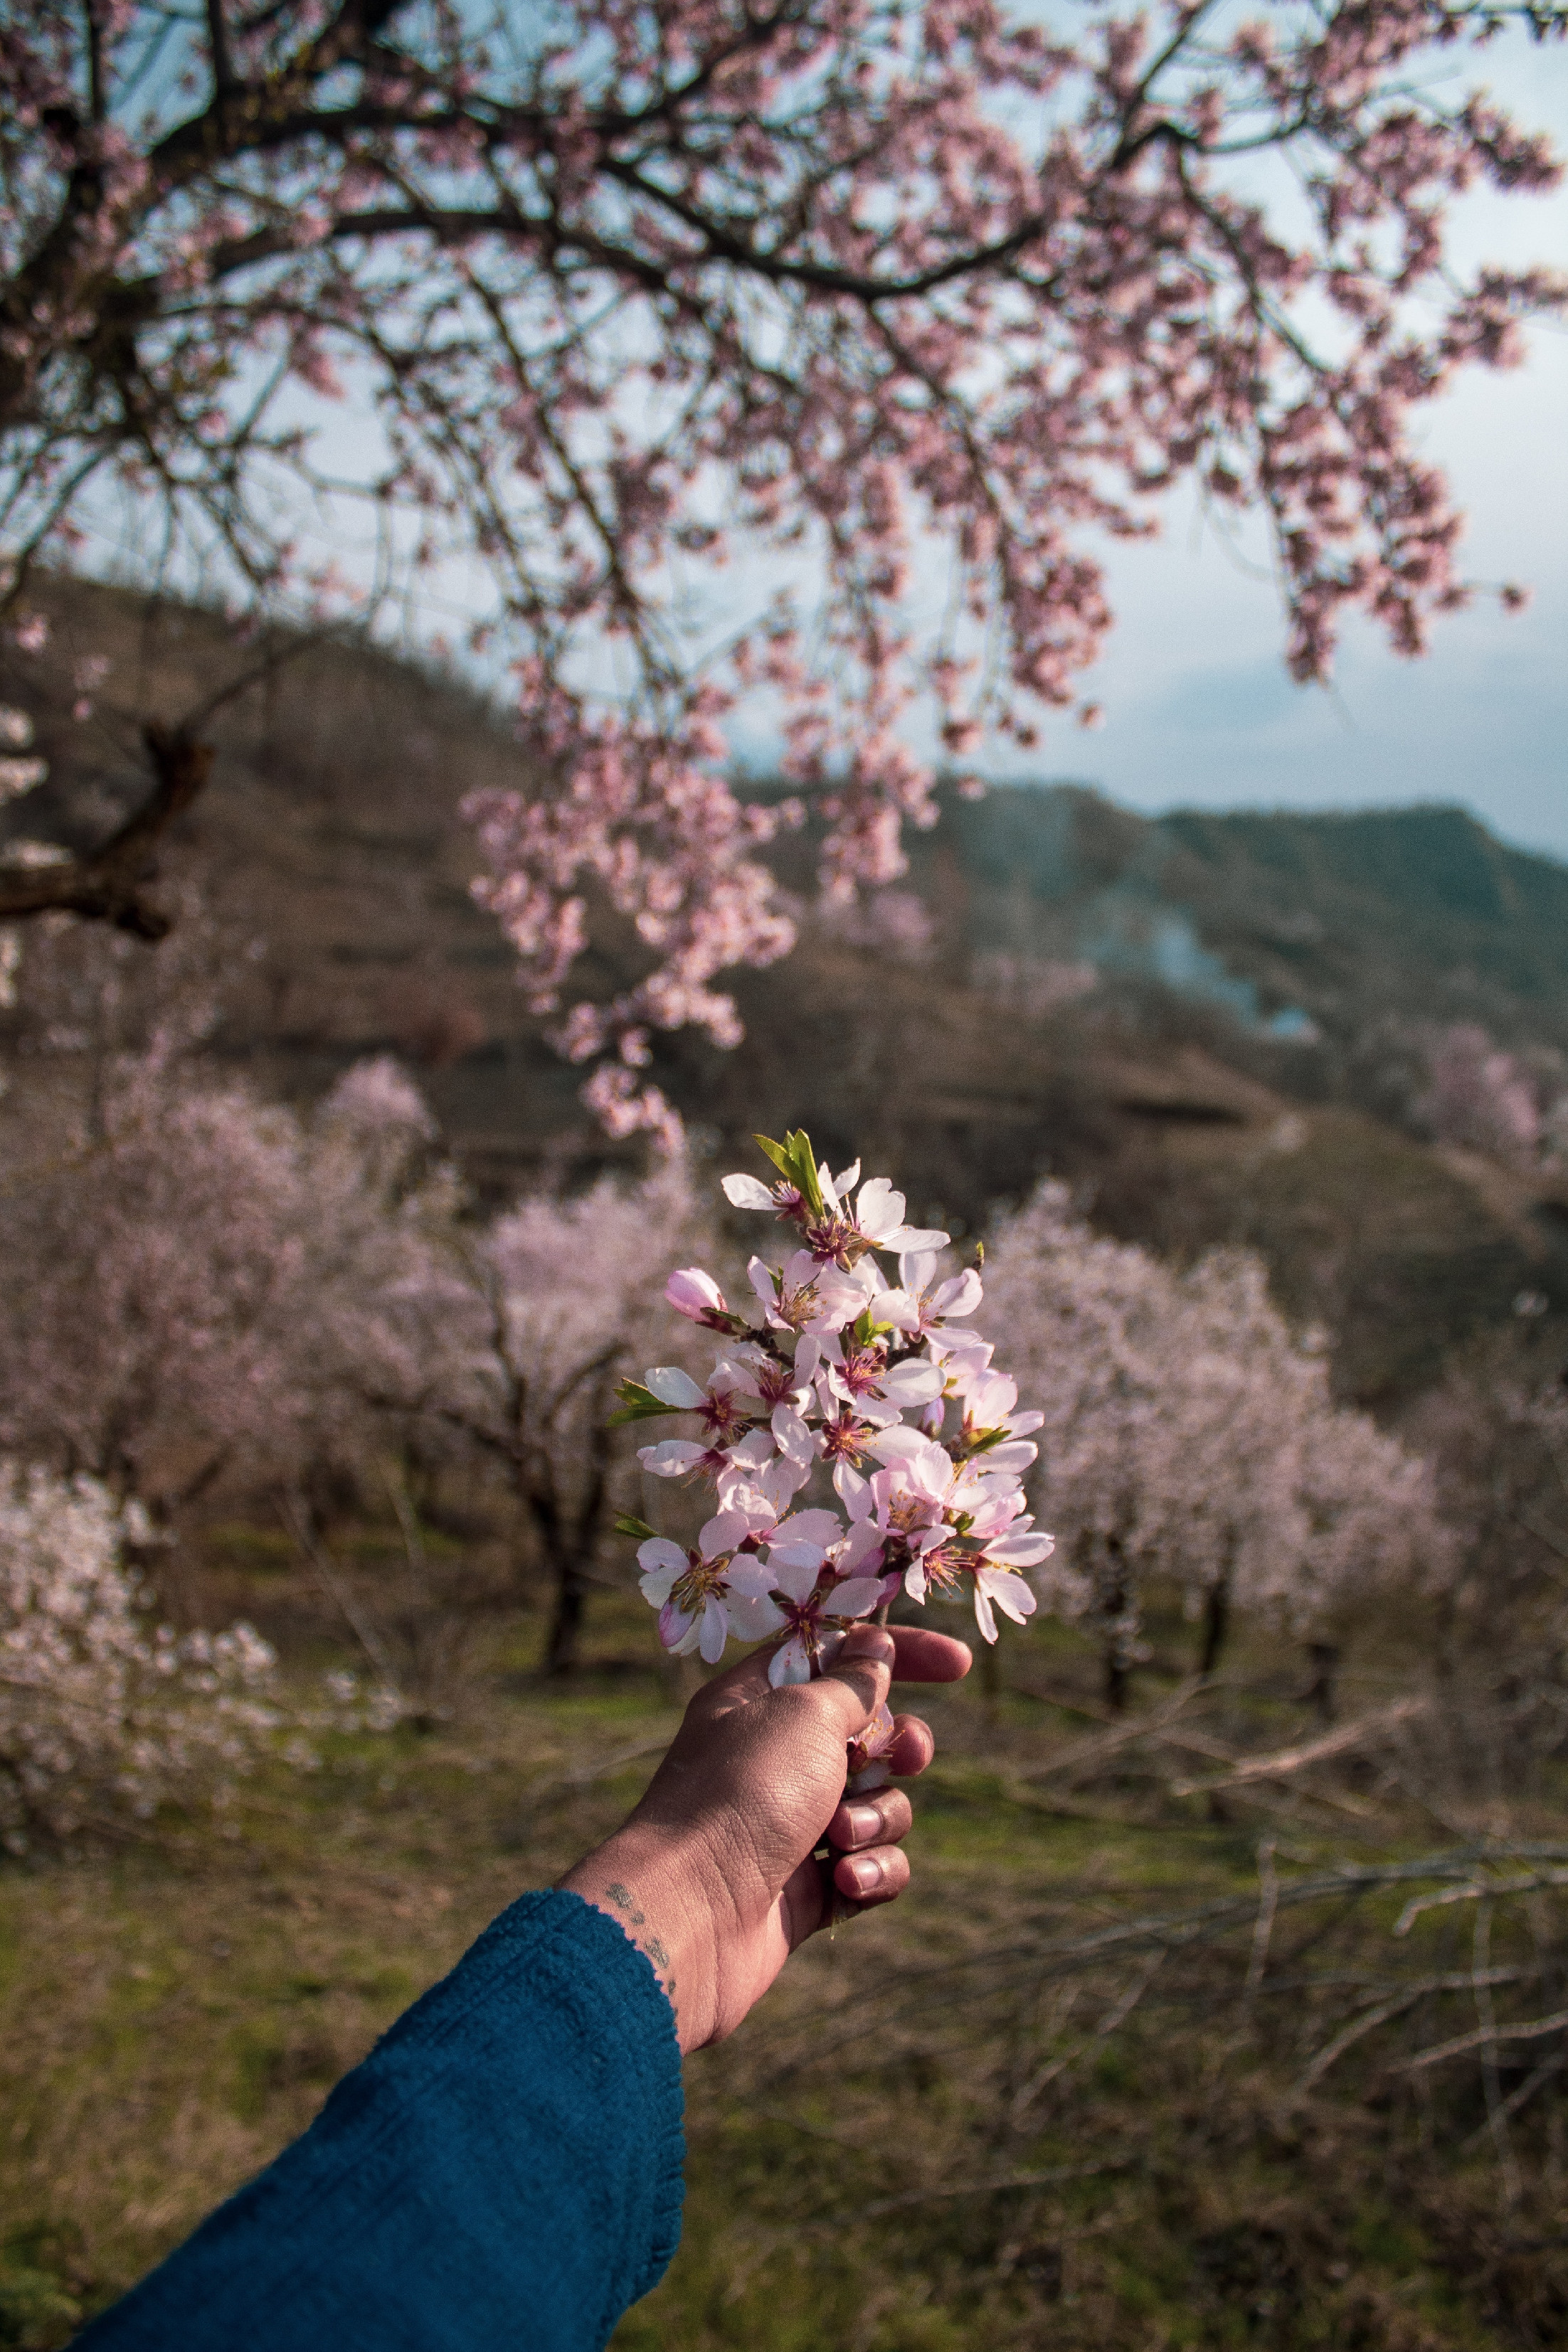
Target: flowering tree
{"x":631,"y":288}
{"x":1188,"y":1433}
{"x":142,"y":1328}
{"x":98,"y":1708}
{"x":814,"y":1380}
{"x":1479,"y":1095}
{"x":195,"y":1279}
{"x":1091,"y":1325}
{"x":512,"y":1337}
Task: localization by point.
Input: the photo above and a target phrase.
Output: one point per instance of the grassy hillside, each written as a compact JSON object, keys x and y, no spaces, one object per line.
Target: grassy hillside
{"x":333,"y":867}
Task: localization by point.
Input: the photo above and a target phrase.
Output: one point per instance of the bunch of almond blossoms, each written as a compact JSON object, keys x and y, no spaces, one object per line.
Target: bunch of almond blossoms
{"x":873,"y":1387}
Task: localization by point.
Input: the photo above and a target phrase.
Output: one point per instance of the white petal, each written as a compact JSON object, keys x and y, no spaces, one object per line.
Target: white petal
{"x":1010,"y":1593}
{"x":745,"y":1192}
{"x":898,"y":1308}
{"x":876,"y":1411}
{"x":1008,"y":1457}
{"x":843,"y":1185}
{"x":912,"y":1239}
{"x":715,"y":1632}
{"x":1021,"y":1551}
{"x":842,"y":1473}
{"x":959,"y":1297}
{"x":991,"y":1399}
{"x":864,"y":1546}
{"x":792,"y":1435}
{"x":912,"y":1384}
{"x":686,"y":1630}
{"x":670,"y":1458}
{"x":897,"y":1443}
{"x":856,"y":1597}
{"x":794,"y":1571}
{"x":774,"y":1486}
{"x":916,"y":1268}
{"x":755,"y":1452}
{"x":983,"y":1616}
{"x":823,"y":1528}
{"x":880,"y":1207}
{"x":672,"y":1386}
{"x":753,"y":1615}
{"x":855,"y":1491}
{"x":789,"y":1663}
{"x":1023,"y":1423}
{"x":655,"y":1582}
{"x":723,"y":1532}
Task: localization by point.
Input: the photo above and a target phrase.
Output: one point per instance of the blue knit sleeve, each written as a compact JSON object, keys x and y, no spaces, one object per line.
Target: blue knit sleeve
{"x":503,"y":2170}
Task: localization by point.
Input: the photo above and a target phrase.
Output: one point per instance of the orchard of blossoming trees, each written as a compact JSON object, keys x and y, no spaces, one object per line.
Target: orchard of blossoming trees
{"x":1187,"y":1434}
{"x":866,"y":288}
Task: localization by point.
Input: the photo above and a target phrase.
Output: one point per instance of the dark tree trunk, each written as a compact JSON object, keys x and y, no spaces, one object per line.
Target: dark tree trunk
{"x":565,"y":1619}
{"x":1321,"y":1693}
{"x":1118,"y":1666}
{"x":1216,"y":1626}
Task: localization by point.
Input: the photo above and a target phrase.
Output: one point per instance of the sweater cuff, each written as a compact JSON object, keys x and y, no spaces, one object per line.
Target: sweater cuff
{"x":618,"y":1998}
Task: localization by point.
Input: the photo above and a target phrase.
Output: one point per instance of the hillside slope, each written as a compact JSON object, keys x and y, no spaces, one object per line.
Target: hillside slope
{"x":333,"y":867}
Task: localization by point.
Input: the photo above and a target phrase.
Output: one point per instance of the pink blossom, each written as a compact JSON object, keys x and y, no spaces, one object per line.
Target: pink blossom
{"x":806,"y":1296}
{"x":703,"y":1594}
{"x":697,"y":1295}
{"x":796,"y":1593}
{"x":921,"y":1305}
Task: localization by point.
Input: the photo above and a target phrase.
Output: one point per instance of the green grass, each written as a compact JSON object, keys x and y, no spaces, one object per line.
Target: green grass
{"x":172,"y":2012}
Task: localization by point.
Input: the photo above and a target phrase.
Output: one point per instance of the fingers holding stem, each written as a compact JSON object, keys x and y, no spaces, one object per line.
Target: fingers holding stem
{"x":867,"y":1828}
{"x":872,"y":1866}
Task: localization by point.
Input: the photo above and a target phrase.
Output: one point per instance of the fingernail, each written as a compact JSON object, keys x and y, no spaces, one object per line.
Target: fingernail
{"x":865,"y":1821}
{"x":866,"y":1874}
{"x":869,"y":1642}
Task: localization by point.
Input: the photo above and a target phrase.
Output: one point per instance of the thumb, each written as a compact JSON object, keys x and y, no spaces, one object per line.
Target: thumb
{"x":857,"y":1681}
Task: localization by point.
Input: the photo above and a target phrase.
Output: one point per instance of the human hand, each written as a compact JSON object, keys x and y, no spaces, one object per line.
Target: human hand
{"x":713,"y":1875}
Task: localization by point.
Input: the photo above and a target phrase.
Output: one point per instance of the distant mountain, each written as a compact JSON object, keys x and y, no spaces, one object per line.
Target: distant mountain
{"x":1171,"y":1014}
{"x":1282,"y":918}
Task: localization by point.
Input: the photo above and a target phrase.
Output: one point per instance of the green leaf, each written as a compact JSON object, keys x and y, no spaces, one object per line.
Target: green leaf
{"x":638,"y":1403}
{"x":806,"y":1178}
{"x":778,"y":1153}
{"x":639,"y":1529}
{"x":796,"y":1163}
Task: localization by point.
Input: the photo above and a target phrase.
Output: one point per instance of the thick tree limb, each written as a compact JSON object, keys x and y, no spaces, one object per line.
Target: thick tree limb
{"x":106,"y":885}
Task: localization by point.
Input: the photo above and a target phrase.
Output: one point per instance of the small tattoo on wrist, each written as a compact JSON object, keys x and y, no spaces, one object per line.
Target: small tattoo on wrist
{"x":626,"y":1902}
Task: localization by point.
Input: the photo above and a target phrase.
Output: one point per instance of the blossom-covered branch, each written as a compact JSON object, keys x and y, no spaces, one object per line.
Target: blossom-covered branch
{"x":880,"y":1391}
{"x":633,"y":288}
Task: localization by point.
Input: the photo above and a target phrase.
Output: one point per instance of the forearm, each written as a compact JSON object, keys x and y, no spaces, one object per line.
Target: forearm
{"x":503,"y":2169}
{"x":658,"y":1891}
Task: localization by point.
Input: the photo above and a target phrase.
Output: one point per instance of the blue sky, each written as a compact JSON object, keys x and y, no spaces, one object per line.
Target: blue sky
{"x":1198,"y":707}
